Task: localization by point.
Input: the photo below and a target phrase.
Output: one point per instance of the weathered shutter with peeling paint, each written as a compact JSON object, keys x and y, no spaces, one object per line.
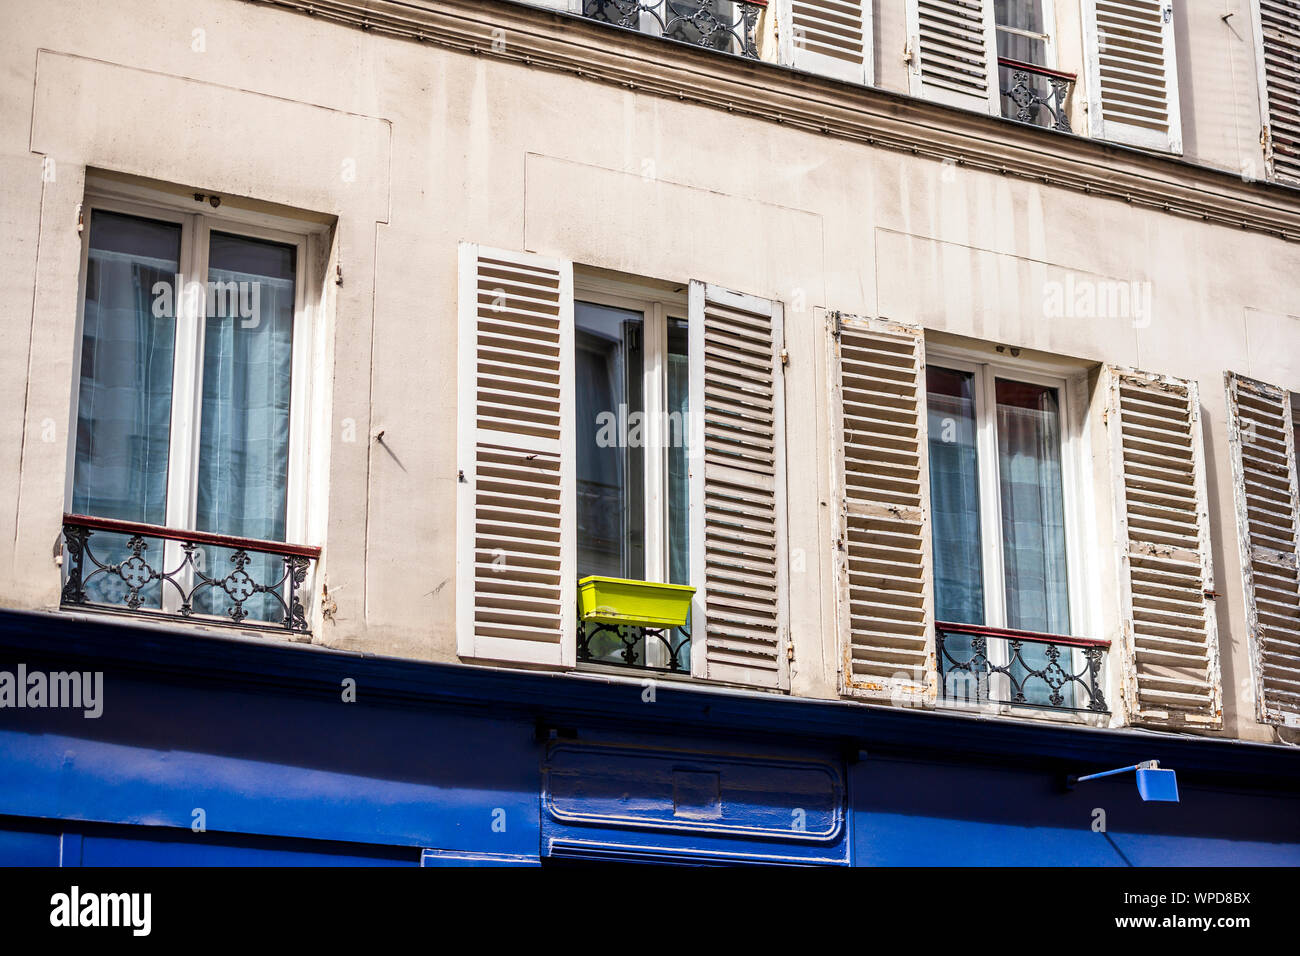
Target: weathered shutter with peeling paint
{"x":882,"y":548}
{"x":1278,"y":53}
{"x":515,"y":519}
{"x":952,"y":53}
{"x":1133,"y":73}
{"x":1169,"y":636}
{"x":1262,"y":438}
{"x":830,"y":37}
{"x":739,"y":618}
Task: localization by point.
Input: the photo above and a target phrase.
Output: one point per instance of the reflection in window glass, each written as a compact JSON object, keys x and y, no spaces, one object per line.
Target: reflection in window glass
{"x":678,"y":436}
{"x":955,"y":496}
{"x":610,"y":437}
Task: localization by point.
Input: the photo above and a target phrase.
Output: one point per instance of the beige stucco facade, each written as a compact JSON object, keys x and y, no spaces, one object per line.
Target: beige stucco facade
{"x":391,"y":151}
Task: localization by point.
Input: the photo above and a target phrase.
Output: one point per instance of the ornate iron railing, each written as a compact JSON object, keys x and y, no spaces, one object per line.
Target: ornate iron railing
{"x":1036,"y":95}
{"x":726,"y":25}
{"x":981,"y":665}
{"x":146,"y":569}
{"x":631,"y":645}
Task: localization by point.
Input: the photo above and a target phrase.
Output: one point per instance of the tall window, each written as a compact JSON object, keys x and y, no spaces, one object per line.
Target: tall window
{"x":1023,"y":33}
{"x":998,"y":495}
{"x":631,"y":398}
{"x":183,"y":413}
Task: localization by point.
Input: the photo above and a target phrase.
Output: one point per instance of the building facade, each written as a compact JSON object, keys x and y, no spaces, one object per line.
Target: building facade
{"x":941,"y":355}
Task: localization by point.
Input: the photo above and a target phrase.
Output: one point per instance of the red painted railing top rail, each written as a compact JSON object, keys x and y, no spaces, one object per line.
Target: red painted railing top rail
{"x":979,"y":630}
{"x":1035,"y":68}
{"x":197,"y":537}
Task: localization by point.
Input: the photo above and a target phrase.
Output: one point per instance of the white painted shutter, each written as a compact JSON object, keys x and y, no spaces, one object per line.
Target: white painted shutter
{"x":739,"y":618}
{"x":952,"y":53}
{"x":1278,"y":53}
{"x":1262,"y":438}
{"x":1133,"y":73}
{"x":830,"y":37}
{"x":1169,"y":637}
{"x":515,"y":520}
{"x":882,"y":558}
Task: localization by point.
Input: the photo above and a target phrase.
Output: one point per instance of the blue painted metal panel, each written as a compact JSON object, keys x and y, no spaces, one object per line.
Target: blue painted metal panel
{"x":440,"y":765}
{"x":603,"y":800}
{"x":912,"y":813}
{"x":275,"y":765}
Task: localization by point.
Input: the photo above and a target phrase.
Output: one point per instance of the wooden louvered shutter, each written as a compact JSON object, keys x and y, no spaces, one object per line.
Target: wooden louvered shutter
{"x":739,"y":618}
{"x":952,"y":53}
{"x":1278,"y":56}
{"x":1262,"y":438}
{"x":515,"y":518}
{"x":1133,"y":74}
{"x":830,"y":37}
{"x":1169,"y":636}
{"x":883,"y":590}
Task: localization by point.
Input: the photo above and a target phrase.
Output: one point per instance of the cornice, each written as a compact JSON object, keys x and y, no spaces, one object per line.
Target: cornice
{"x":547,"y":39}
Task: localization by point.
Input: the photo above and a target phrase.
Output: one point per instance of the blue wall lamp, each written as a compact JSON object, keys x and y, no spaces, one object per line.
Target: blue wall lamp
{"x":1153,"y":782}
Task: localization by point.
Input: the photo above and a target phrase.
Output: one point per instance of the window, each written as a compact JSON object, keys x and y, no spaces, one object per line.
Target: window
{"x":582,"y":404}
{"x":1000,"y":496}
{"x":632,"y":415}
{"x":631,"y":400}
{"x":190,"y":373}
{"x":1024,"y":34}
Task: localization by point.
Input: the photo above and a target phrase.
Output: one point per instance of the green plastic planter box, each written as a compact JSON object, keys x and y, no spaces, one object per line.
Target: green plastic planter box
{"x":640,"y":603}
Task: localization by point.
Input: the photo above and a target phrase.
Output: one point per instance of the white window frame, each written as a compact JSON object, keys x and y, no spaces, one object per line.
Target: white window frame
{"x":656,"y":307}
{"x":1075,"y":488}
{"x":187,"y":393}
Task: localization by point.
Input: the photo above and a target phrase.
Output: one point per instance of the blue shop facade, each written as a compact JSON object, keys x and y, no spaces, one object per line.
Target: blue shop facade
{"x":213,"y":750}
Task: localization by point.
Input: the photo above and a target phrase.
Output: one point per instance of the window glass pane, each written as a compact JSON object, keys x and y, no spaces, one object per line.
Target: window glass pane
{"x":1033,"y":508}
{"x":610,"y":434}
{"x":954,"y":497}
{"x":679,"y":495}
{"x":678,"y":434}
{"x":127,"y":350}
{"x":1020,"y":14}
{"x":1026,"y":15}
{"x":244,"y":431}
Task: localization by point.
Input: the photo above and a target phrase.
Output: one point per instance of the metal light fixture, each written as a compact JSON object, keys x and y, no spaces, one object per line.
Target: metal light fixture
{"x":1153,"y":781}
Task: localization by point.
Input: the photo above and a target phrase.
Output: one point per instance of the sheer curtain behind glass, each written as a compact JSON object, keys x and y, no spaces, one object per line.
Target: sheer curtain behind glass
{"x":124,"y":399}
{"x":244,"y":430}
{"x":1033,"y":518}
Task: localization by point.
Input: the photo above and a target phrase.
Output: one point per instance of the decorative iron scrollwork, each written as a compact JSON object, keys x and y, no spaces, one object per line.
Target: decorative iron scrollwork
{"x":967,"y":670}
{"x":627,"y":644}
{"x":108,"y":565}
{"x":706,"y":23}
{"x":1037,"y":95}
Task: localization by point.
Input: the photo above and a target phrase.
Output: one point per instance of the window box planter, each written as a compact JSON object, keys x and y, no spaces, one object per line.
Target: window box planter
{"x":640,"y":603}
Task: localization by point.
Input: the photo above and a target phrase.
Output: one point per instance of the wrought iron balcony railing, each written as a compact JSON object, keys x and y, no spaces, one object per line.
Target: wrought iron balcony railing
{"x":148,"y":570}
{"x":726,"y":25}
{"x":1035,"y":95}
{"x":982,"y":665}
{"x":646,"y":648}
